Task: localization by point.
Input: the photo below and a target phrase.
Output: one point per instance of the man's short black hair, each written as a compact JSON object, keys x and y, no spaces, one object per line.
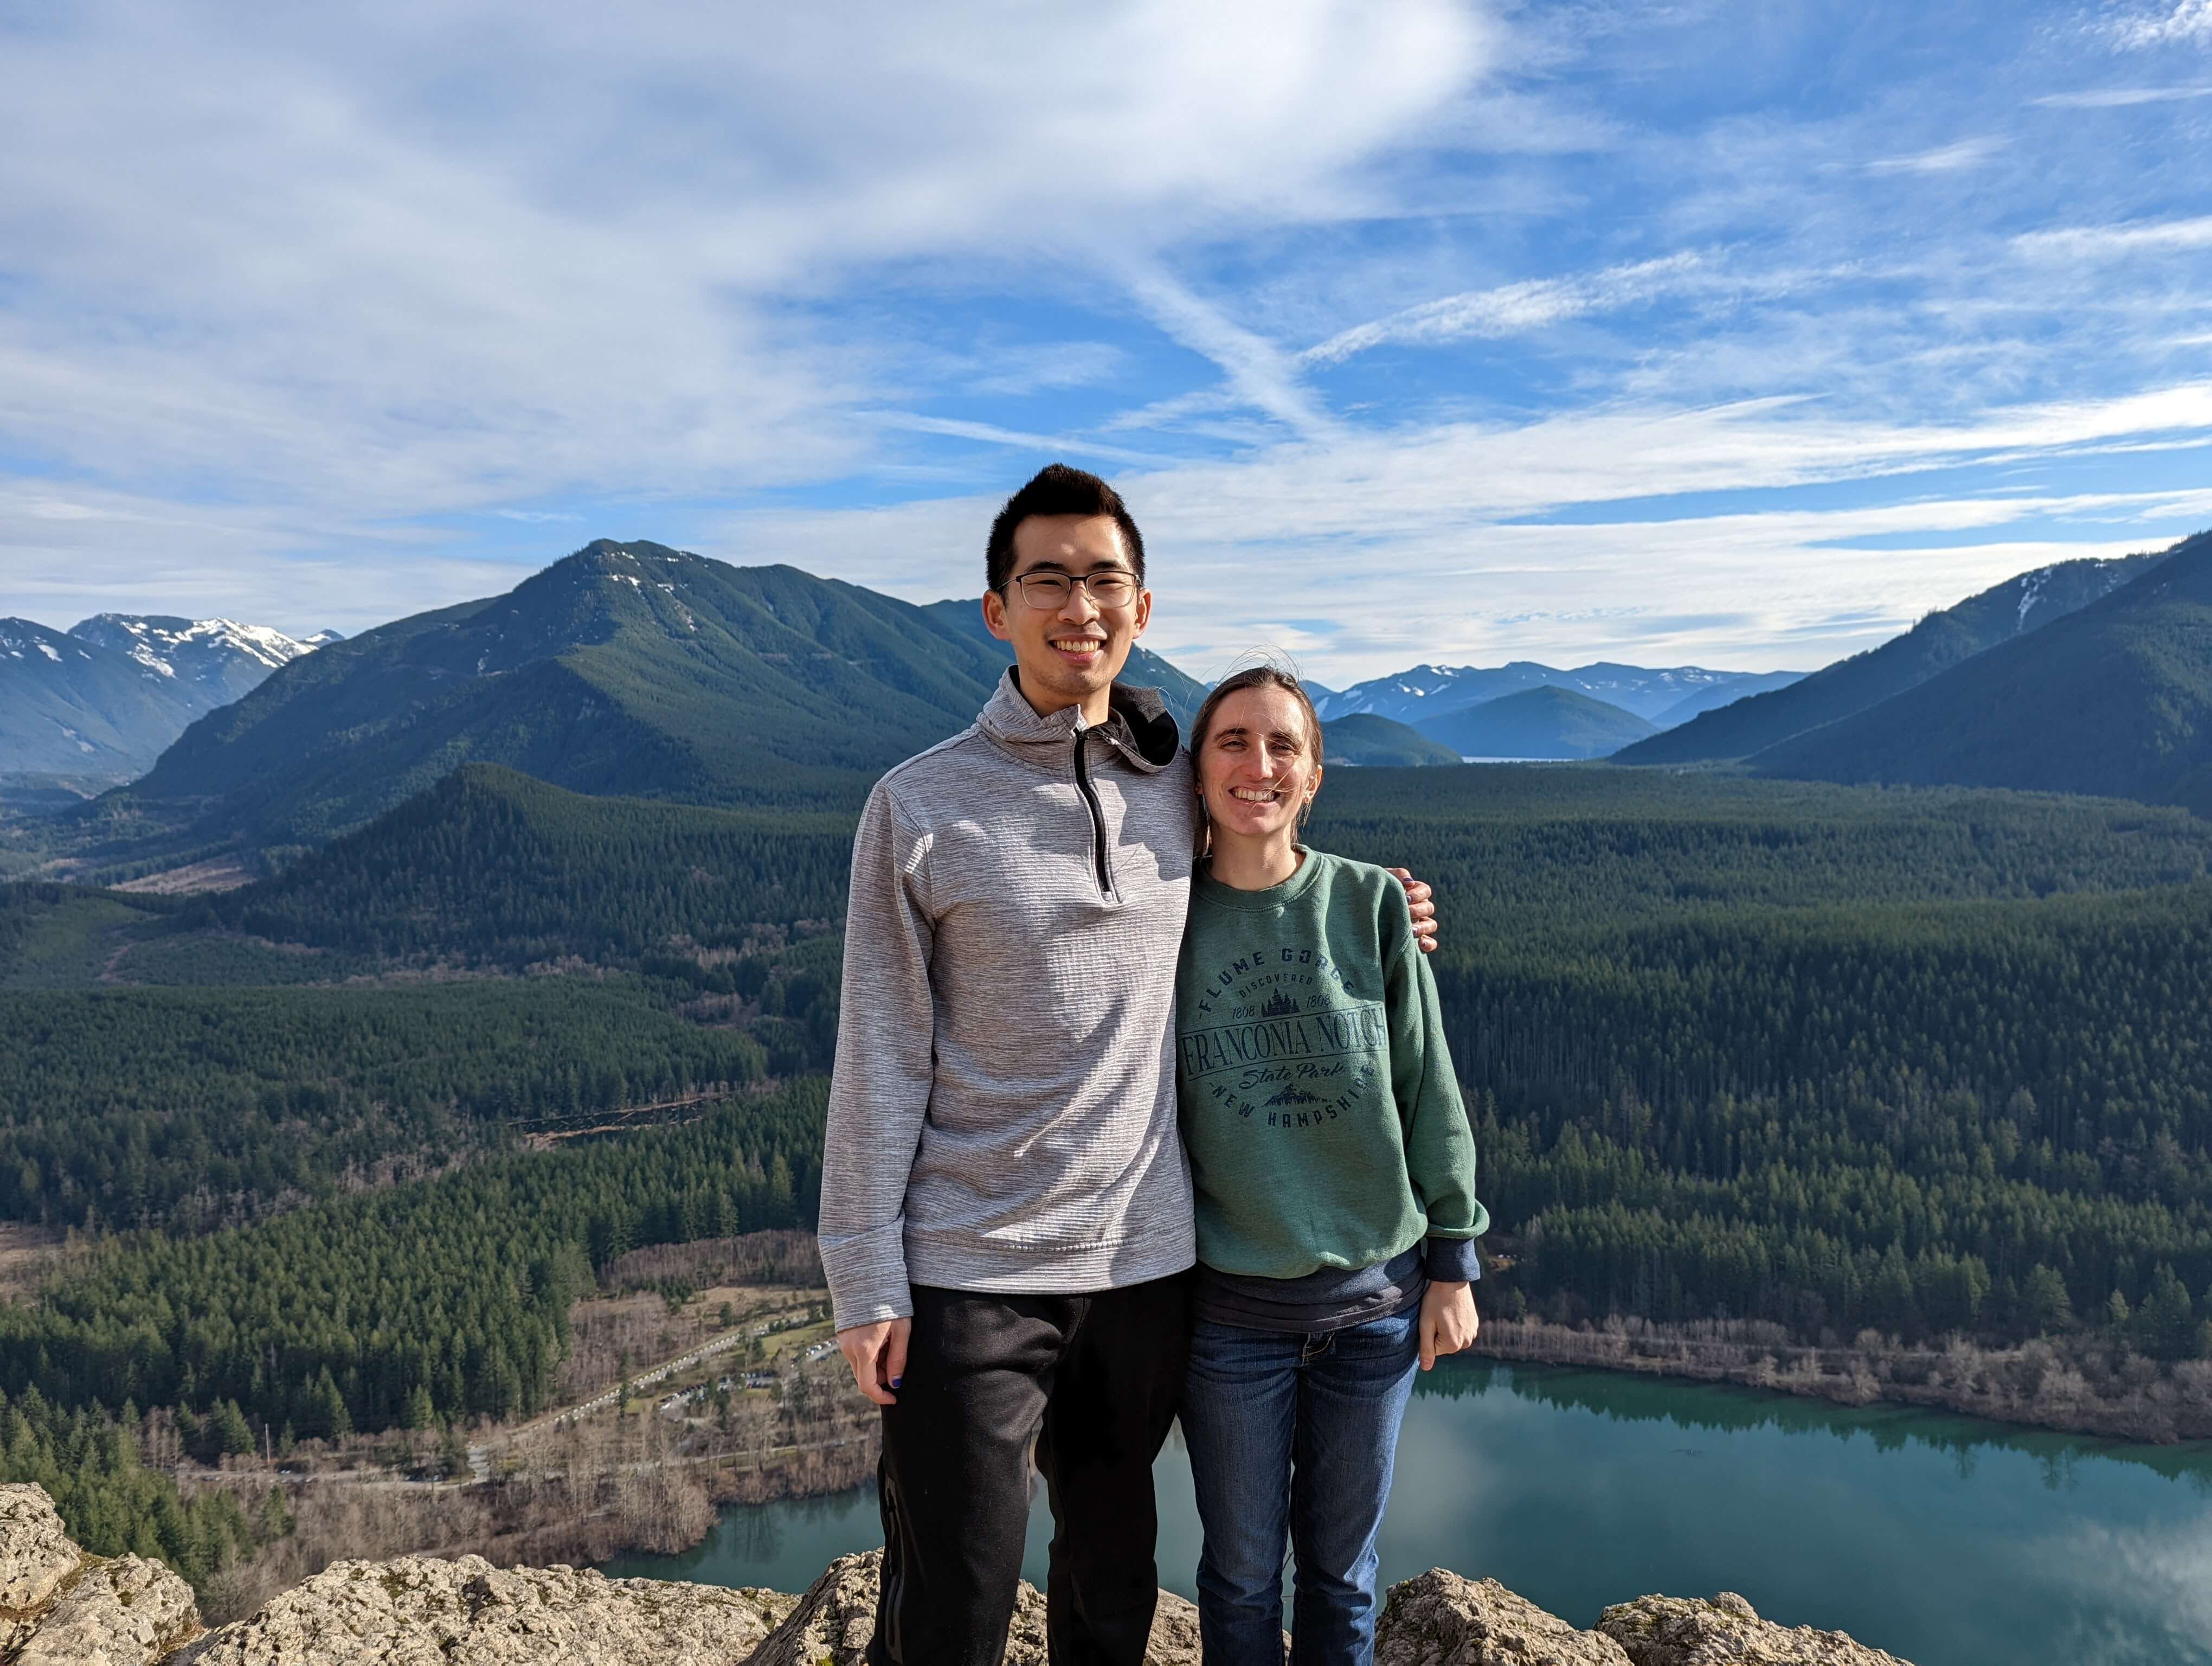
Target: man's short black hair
{"x":1057,"y":489}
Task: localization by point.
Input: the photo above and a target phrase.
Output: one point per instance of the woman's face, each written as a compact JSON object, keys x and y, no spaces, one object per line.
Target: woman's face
{"x":1257,"y":769}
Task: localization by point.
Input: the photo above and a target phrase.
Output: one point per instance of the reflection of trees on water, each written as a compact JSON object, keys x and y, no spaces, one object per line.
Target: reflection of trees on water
{"x":753,"y":1534}
{"x":1730,"y":1408}
{"x":829,"y":1506}
{"x":749,"y":1540}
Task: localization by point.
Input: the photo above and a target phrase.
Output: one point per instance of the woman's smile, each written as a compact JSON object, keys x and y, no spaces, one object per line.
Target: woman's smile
{"x":1259,"y":762}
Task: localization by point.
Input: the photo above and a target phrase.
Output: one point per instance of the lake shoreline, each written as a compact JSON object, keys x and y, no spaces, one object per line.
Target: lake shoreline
{"x":2080,"y":1390}
{"x":672,"y":1509}
{"x":1941,"y":1538}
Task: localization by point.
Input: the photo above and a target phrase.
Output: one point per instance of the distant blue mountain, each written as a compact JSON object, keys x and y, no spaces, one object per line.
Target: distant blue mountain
{"x":1423,"y":694}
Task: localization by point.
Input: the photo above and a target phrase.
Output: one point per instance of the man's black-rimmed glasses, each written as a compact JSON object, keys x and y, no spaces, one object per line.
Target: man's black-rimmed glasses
{"x":1110,"y":589}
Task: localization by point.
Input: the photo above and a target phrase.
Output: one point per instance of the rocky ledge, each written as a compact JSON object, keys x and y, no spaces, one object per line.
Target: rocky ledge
{"x":57,"y":1604}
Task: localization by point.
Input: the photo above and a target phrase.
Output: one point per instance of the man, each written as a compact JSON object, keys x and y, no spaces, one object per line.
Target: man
{"x":1005,"y":1206}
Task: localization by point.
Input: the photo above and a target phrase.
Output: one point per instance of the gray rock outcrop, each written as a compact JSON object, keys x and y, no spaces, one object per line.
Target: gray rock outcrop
{"x":1438,"y":1619}
{"x":831,"y":1624}
{"x":35,"y":1556}
{"x":58,"y":1604}
{"x":129,"y":1612}
{"x":1727,"y":1631}
{"x":422,"y":1611}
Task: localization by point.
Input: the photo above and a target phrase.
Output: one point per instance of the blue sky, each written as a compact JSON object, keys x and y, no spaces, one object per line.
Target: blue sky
{"x":1732,"y":334}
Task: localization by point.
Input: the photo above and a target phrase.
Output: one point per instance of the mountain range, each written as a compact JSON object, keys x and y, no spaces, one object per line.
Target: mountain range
{"x":1548,"y":722}
{"x":1425,"y":693}
{"x":640,"y":670}
{"x":211,"y":662}
{"x":2113,"y":697}
{"x":2000,"y":614}
{"x":695,"y":681}
{"x":624,"y":668}
{"x":97,"y":703}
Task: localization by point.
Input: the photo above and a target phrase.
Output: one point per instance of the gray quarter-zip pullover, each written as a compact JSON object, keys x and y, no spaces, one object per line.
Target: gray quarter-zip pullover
{"x":1003,"y":1113}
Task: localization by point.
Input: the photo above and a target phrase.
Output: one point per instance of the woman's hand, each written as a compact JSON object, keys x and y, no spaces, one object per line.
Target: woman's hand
{"x":1448,"y":1320}
{"x":1420,"y":903}
{"x":876,"y":1353}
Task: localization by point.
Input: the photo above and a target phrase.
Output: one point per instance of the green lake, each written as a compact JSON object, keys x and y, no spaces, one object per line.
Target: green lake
{"x":1949,"y":1541}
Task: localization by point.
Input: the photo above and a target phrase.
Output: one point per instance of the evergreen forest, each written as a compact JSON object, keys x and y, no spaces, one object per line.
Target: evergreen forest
{"x":414,"y":1304}
{"x":1913,"y":1062}
{"x":1841,"y":1058}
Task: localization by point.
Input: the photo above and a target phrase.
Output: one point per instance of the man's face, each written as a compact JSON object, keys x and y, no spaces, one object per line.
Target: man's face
{"x":1070,"y":652}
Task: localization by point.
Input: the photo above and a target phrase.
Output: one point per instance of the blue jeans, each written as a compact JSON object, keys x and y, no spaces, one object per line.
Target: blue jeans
{"x":1292,"y":1441}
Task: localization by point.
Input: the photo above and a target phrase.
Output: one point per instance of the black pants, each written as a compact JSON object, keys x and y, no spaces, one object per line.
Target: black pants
{"x":1093,"y":1381}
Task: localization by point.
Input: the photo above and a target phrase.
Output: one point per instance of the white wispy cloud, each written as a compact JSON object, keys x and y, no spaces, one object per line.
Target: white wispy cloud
{"x":320,"y":306}
{"x":1260,"y":374}
{"x":2187,"y":22}
{"x":2106,"y":242}
{"x":1943,"y":159}
{"x":1514,"y":309}
{"x":1051,"y":367}
{"x":99,"y":551}
{"x":1014,"y":438}
{"x":300,"y":258}
{"x":2119,"y":98}
{"x":1433,"y":543}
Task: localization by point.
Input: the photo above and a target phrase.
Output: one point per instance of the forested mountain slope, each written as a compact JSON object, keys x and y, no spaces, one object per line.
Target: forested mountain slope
{"x":493,"y":867}
{"x":624,"y":668}
{"x":189,"y":1109}
{"x":2003,"y":612}
{"x":1913,"y":1063}
{"x":1376,"y":742}
{"x":432,"y":1300}
{"x":1537,"y":723}
{"x":2114,"y":699}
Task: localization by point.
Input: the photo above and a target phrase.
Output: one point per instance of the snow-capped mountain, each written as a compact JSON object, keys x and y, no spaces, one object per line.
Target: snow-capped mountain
{"x":98,"y":703}
{"x":1425,"y":693}
{"x":211,"y":662}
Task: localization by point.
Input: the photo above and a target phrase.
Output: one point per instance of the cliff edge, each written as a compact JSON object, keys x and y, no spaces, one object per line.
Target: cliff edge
{"x":58,"y":1604}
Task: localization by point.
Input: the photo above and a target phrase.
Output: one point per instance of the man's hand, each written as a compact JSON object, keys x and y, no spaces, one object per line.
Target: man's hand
{"x":876,"y":1353}
{"x":1448,"y":1320}
{"x":1420,"y":903}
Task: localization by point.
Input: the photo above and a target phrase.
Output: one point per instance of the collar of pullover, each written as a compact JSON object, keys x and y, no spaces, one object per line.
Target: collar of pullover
{"x":1140,"y":729}
{"x":1217,"y":895}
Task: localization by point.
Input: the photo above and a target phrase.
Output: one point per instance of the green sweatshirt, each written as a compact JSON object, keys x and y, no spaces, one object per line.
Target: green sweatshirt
{"x":1324,"y":1126}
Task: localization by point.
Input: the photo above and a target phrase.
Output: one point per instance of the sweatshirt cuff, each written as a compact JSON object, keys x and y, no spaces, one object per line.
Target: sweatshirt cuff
{"x":1452,"y":1259}
{"x":867,"y":1275}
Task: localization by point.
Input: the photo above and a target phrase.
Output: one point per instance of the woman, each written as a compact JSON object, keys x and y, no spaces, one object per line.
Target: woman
{"x":1334,"y":1177}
